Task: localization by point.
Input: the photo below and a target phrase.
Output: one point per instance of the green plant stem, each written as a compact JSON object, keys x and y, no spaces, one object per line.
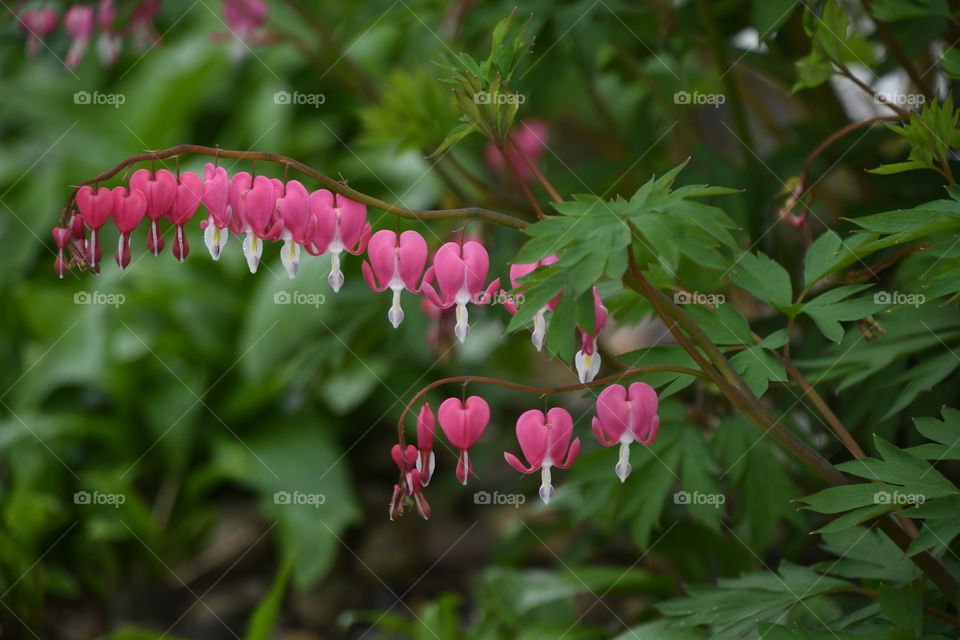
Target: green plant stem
{"x":923,"y":85}
{"x":833,"y":137}
{"x":750,"y":406}
{"x":536,"y":170}
{"x":521,"y":182}
{"x":333,"y":185}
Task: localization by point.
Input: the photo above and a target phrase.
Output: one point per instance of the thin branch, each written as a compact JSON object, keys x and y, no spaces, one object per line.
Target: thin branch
{"x":333,"y":185}
{"x":580,"y":386}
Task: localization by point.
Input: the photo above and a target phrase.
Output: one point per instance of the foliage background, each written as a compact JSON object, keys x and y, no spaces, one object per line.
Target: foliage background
{"x":199,"y":398}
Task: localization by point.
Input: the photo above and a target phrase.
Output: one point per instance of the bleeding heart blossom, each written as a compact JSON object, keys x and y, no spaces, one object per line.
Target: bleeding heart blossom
{"x":625,"y":416}
{"x":244,"y":18}
{"x":341,"y":225}
{"x":257,"y":210}
{"x":409,"y":486}
{"x":426,"y":461}
{"x":216,"y":199}
{"x":463,"y":423}
{"x":79,"y":23}
{"x":109,"y":42}
{"x":185,"y":204}
{"x":460,"y":271}
{"x":532,"y":137}
{"x":545,"y":443}
{"x":587,"y":359}
{"x":38,"y":23}
{"x":160,"y":189}
{"x":397,"y":262}
{"x":298,"y":224}
{"x":62,"y":237}
{"x":129,"y":208}
{"x":95,"y":207}
{"x":519,"y":270}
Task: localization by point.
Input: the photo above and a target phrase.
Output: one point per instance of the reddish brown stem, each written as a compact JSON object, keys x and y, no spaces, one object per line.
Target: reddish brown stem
{"x":629,"y":373}
{"x":328,"y":182}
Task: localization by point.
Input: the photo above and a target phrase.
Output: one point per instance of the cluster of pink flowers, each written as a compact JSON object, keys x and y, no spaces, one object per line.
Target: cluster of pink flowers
{"x":82,"y":22}
{"x":623,"y":416}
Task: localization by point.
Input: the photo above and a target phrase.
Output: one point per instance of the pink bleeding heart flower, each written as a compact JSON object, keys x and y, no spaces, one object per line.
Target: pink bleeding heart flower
{"x":160,"y":189}
{"x":587,"y":359}
{"x":185,"y":205}
{"x":397,"y":262}
{"x":341,"y":225}
{"x":109,"y":42}
{"x":129,"y":208}
{"x":216,"y":199}
{"x":243,"y":17}
{"x":298,"y":224}
{"x":625,"y":416}
{"x":463,"y":423}
{"x":409,"y":487}
{"x":545,"y":442}
{"x":257,"y":210}
{"x":38,"y":23}
{"x":460,"y":271}
{"x":519,"y":270}
{"x":96,"y":208}
{"x":62,"y":237}
{"x":532,"y":137}
{"x":426,"y":461}
{"x":79,"y":24}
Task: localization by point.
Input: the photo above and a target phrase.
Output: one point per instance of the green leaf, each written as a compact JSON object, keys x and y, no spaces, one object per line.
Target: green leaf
{"x":759,"y":367}
{"x":903,"y":606}
{"x":769,"y":15}
{"x":563,"y":321}
{"x":263,"y":622}
{"x":764,"y":278}
{"x":898,"y":167}
{"x":723,"y":324}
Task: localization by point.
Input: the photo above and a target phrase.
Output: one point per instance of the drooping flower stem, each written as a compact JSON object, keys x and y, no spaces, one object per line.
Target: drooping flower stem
{"x":536,"y":170}
{"x":335,"y":186}
{"x":629,"y":373}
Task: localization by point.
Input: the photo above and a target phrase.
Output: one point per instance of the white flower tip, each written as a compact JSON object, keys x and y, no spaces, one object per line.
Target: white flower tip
{"x":623,"y":470}
{"x":336,"y":280}
{"x":395,"y":316}
{"x":547,"y":493}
